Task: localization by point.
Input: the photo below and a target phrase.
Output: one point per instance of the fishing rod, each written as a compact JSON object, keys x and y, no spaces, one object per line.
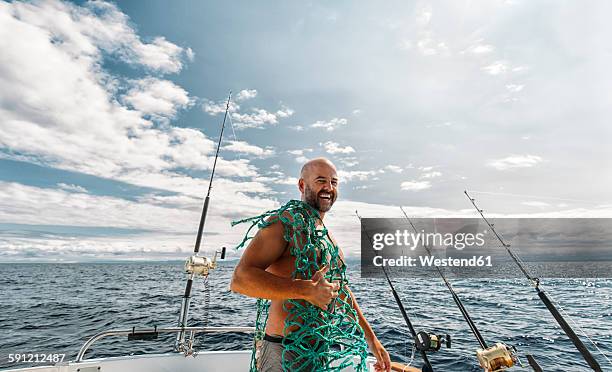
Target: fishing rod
{"x":535,"y":282}
{"x":493,"y":357}
{"x":199,"y":265}
{"x":422,"y":339}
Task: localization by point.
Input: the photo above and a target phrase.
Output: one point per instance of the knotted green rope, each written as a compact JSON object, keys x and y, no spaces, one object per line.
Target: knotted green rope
{"x":315,"y":339}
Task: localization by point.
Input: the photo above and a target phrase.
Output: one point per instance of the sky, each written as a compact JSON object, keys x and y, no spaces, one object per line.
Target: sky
{"x":110,"y":113}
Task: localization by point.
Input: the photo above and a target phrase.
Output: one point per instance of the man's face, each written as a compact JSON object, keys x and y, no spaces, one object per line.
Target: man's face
{"x":321,"y":187}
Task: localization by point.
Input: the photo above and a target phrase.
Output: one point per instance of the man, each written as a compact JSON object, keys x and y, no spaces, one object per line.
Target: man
{"x":266,"y":267}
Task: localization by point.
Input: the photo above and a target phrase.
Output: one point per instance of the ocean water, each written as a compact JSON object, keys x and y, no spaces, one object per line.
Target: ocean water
{"x":55,"y":308}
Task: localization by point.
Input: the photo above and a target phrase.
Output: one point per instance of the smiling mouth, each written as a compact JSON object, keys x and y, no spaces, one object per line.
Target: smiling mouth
{"x":325,"y":197}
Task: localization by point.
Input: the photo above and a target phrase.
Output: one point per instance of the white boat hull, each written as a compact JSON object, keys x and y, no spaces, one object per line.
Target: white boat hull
{"x":210,"y":361}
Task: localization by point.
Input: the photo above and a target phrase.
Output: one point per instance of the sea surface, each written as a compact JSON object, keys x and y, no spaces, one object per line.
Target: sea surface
{"x":55,"y":308}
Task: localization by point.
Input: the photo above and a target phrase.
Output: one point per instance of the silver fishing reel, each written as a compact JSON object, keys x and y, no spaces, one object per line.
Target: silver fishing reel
{"x":198,"y":265}
{"x":497,"y":357}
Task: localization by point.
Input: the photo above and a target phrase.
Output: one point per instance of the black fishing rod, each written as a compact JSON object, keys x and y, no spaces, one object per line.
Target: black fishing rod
{"x":462,"y":309}
{"x":535,"y":282}
{"x":483,"y":344}
{"x":427,"y":367}
{"x":180,"y":339}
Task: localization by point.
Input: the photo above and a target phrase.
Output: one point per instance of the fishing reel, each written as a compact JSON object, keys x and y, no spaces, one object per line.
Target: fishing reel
{"x":497,"y":357}
{"x":429,"y":342}
{"x":197,"y":265}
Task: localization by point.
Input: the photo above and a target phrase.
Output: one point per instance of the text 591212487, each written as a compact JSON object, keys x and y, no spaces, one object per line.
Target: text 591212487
{"x":36,"y":358}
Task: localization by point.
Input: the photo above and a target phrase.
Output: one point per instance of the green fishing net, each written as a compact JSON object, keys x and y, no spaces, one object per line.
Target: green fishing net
{"x":321,"y":340}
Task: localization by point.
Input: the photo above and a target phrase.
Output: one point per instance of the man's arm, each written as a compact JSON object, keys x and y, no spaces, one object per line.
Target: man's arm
{"x":383,"y":360}
{"x":251,"y":278}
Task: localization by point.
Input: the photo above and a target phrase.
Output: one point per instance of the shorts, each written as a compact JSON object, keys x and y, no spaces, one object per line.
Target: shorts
{"x":270,"y":357}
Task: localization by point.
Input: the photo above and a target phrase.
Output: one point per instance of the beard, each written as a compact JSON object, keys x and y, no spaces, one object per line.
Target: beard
{"x":312,"y":199}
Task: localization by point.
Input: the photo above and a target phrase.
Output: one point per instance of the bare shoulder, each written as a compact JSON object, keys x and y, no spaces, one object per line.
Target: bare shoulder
{"x":266,"y":247}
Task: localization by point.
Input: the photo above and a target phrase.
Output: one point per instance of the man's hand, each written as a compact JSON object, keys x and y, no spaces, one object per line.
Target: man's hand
{"x":323,"y":292}
{"x":383,"y":361}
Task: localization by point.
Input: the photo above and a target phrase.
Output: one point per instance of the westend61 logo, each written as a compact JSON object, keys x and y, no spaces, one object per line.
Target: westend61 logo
{"x":468,"y":248}
{"x":411,"y":240}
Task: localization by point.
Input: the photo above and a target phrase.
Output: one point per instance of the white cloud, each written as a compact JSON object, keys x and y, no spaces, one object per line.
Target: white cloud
{"x":64,"y":113}
{"x":514,"y":88}
{"x":161,"y":224}
{"x":246,"y":94}
{"x":160,"y":55}
{"x":297,"y":128}
{"x":520,"y":68}
{"x":537,"y":204}
{"x":433,"y":174}
{"x":288,"y":181}
{"x":515,"y":161}
{"x":85,"y":31}
{"x":502,"y":67}
{"x":335,"y":148}
{"x":423,"y":15}
{"x":215,"y":108}
{"x":190,"y":54}
{"x":415,"y":185}
{"x":72,"y":187}
{"x":430,"y":47}
{"x":347,"y":176}
{"x":299,"y":152}
{"x":299,"y":155}
{"x":440,"y":125}
{"x":171,"y":222}
{"x":331,"y":125}
{"x":157,"y":97}
{"x":284,"y":112}
{"x":33,"y":205}
{"x":496,"y":68}
{"x":255,"y":120}
{"x":394,"y":168}
{"x":246,"y":148}
{"x":356,"y":112}
{"x":258,"y":119}
{"x":349,"y":161}
{"x":79,"y":248}
{"x":480,"y":49}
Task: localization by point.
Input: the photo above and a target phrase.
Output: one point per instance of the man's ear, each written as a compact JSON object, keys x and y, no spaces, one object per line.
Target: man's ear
{"x":301,"y":185}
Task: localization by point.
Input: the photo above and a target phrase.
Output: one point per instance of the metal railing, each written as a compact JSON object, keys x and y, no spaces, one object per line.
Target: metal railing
{"x":132,"y":331}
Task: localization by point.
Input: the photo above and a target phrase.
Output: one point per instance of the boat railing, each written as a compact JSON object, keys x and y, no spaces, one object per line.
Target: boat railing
{"x":151,"y":333}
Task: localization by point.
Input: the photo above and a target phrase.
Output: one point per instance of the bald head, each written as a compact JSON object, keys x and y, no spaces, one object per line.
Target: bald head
{"x":310,"y":165}
{"x":319,"y":184}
